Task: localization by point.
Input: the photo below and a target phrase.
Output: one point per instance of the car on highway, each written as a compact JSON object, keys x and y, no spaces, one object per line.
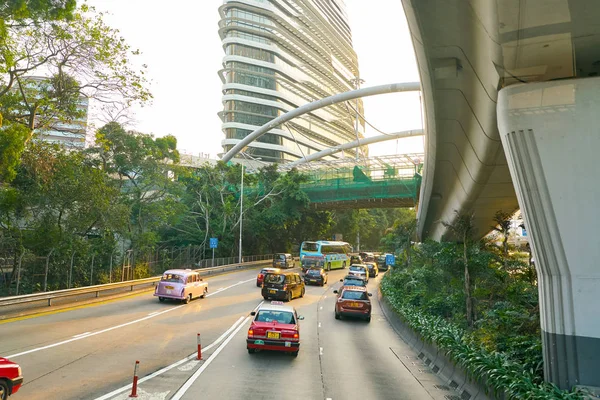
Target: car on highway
{"x":373,"y":269}
{"x":353,"y":301}
{"x":181,"y":284}
{"x":352,"y":280}
{"x":274,"y":327}
{"x":359,"y":270}
{"x":312,"y":262}
{"x":261,"y":275}
{"x":283,"y":260}
{"x":11,"y":378}
{"x":354,"y":259}
{"x":367,"y":256}
{"x":317,"y":276}
{"x":282,"y":286}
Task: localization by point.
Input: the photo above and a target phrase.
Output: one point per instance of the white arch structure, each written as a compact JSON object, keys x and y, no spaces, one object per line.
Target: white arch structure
{"x":356,"y":143}
{"x":315,"y":105}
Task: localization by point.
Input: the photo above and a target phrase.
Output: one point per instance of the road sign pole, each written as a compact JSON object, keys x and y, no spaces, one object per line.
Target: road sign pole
{"x":213,"y":260}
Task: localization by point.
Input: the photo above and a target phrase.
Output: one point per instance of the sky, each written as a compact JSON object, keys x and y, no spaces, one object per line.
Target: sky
{"x":180,"y":44}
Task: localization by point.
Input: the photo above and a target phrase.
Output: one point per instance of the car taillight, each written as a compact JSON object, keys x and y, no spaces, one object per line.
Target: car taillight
{"x":250,"y":332}
{"x":182,"y":291}
{"x":296,"y":336}
{"x":260,"y":276}
{"x":284,"y":287}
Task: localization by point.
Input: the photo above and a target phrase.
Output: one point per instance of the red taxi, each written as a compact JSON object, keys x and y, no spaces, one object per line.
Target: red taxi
{"x":274,"y":327}
{"x":353,"y":301}
{"x":11,"y":378}
{"x":260,"y":278}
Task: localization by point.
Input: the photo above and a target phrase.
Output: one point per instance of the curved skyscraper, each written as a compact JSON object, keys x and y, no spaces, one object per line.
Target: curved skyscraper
{"x":279,"y":55}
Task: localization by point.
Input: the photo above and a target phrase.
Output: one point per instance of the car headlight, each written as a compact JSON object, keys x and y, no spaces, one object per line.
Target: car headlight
{"x":19,"y":371}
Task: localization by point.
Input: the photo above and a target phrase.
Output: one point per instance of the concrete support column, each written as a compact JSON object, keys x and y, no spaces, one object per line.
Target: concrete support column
{"x":551,"y":136}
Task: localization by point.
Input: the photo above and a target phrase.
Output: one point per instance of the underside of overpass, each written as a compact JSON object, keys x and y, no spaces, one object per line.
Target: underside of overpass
{"x":519,"y":64}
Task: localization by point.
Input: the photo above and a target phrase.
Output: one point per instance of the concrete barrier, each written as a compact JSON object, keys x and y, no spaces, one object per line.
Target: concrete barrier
{"x":435,"y":359}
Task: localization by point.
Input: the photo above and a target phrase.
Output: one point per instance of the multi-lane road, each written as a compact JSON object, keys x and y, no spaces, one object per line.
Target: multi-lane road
{"x":89,"y":352}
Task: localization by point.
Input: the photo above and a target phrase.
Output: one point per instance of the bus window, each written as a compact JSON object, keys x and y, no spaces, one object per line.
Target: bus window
{"x":310,"y":246}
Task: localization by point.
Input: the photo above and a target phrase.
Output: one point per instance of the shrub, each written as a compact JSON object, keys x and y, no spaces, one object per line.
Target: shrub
{"x":495,"y":369}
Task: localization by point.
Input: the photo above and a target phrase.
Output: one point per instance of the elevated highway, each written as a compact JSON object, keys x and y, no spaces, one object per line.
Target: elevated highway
{"x":511,"y":96}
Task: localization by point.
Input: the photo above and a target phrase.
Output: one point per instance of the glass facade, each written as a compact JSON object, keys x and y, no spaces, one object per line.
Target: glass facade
{"x":279,"y":55}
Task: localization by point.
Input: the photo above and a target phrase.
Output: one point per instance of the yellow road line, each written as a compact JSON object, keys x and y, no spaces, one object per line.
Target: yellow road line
{"x":44,"y":313}
{"x":141,"y":292}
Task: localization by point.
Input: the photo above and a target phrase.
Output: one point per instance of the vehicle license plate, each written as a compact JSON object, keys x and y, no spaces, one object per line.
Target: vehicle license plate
{"x":168,"y":291}
{"x":273,"y":335}
{"x":288,"y":344}
{"x":272,"y":291}
{"x":259,"y":342}
{"x":356,"y":305}
{"x":169,"y":287}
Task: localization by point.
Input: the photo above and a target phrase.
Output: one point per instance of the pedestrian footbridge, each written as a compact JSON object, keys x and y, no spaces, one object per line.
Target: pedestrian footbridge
{"x":377,"y":182}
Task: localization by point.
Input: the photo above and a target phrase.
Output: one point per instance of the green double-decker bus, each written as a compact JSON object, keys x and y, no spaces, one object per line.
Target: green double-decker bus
{"x":330,"y":254}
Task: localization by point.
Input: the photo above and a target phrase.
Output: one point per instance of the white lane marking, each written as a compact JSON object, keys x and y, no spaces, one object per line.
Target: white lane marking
{"x":320,"y":351}
{"x":92,"y":334}
{"x":229,"y":287}
{"x":320,"y":308}
{"x":153,"y":313}
{"x":324,"y":297}
{"x":214,"y":355}
{"x":319,"y":324}
{"x":175,"y":364}
{"x":82,"y":334}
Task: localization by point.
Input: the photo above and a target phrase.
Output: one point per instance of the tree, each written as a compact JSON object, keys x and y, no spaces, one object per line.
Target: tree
{"x":52,"y":56}
{"x":502,"y":226}
{"x":145,"y":170}
{"x":12,"y":144}
{"x":19,"y":10}
{"x":463,"y":228}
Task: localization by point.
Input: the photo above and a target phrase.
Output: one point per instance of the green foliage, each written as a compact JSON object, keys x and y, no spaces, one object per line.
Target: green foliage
{"x":493,"y":368}
{"x":19,"y":10}
{"x":12,"y":144}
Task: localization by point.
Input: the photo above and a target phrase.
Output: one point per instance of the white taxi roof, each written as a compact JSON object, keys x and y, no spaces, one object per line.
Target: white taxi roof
{"x":276,"y":307}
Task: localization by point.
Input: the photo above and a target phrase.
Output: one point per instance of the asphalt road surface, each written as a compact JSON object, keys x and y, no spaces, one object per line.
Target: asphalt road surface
{"x":89,"y":352}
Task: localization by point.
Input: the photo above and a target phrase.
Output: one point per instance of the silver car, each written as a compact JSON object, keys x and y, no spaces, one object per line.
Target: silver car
{"x":359,"y":270}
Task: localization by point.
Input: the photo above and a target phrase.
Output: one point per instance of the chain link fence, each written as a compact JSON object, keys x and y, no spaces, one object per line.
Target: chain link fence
{"x":25,"y":272}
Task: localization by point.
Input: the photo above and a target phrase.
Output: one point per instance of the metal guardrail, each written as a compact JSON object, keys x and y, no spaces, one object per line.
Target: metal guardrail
{"x":49,"y":296}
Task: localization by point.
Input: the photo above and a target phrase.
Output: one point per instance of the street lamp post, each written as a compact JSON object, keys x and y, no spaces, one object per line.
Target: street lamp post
{"x":241,"y":212}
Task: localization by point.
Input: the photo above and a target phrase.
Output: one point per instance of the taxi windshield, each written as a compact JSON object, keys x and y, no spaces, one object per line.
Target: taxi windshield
{"x":172,"y":278}
{"x":313,"y":272}
{"x":354,"y":295}
{"x":357,"y":269}
{"x":282,"y":317}
{"x":274,"y":278}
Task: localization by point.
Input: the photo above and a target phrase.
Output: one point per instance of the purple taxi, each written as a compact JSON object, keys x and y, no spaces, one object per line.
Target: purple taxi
{"x":181,"y":284}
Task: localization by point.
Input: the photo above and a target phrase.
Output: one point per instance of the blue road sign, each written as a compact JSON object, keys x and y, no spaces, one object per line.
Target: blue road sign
{"x":390,"y":259}
{"x":214,"y":242}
